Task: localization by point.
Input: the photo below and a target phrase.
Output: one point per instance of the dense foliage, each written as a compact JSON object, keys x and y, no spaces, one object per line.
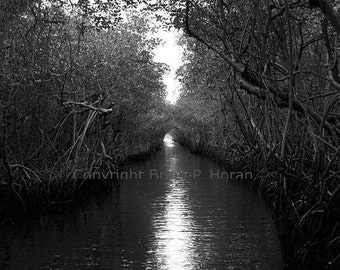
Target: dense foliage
{"x":76,"y":95}
{"x":261,"y":92}
{"x":261,"y":87}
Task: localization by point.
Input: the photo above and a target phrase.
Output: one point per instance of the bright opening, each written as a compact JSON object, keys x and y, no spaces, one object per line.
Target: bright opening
{"x":170,"y":53}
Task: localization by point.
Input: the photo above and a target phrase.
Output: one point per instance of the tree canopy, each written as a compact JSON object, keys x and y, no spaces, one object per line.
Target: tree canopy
{"x":261,"y":92}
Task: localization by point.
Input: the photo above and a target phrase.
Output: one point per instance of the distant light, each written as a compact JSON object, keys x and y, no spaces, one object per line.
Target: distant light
{"x":170,"y":53}
{"x":168,"y":141}
{"x":167,"y":138}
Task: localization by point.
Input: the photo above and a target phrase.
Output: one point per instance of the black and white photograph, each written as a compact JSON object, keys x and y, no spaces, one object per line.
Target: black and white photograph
{"x":170,"y":134}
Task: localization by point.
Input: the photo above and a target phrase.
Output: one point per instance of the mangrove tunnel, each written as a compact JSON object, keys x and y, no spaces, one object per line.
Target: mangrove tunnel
{"x":173,"y":134}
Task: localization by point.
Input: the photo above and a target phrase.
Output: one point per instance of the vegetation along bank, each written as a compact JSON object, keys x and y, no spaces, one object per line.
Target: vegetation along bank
{"x":261,"y":93}
{"x":79,"y":94}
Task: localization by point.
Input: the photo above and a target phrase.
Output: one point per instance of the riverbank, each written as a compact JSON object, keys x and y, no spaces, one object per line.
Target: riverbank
{"x":176,"y":221}
{"x":24,"y":198}
{"x":306,"y":217}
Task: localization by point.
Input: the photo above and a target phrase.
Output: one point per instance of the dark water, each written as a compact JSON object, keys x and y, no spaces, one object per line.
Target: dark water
{"x":169,"y":218}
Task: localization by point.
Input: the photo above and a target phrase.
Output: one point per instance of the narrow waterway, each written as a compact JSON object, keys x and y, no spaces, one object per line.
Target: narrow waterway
{"x":175,"y":211}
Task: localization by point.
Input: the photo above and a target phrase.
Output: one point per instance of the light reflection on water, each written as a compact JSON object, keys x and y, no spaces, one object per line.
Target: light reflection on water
{"x":174,"y":241}
{"x":174,"y":222}
{"x":187,"y":239}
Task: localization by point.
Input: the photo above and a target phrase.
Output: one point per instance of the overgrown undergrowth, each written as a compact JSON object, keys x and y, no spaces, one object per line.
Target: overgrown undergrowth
{"x":298,"y":197}
{"x":25,"y":196}
{"x":78,"y":97}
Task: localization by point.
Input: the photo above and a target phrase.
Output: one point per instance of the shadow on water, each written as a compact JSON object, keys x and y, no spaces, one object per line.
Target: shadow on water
{"x":171,"y":214}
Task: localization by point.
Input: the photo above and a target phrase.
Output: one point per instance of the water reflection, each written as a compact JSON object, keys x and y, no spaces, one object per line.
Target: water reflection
{"x":174,"y":241}
{"x":173,"y":238}
{"x":196,"y":231}
{"x":174,"y":222}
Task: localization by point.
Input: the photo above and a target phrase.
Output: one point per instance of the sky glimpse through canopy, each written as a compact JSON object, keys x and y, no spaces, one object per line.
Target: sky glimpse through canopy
{"x":170,"y":53}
